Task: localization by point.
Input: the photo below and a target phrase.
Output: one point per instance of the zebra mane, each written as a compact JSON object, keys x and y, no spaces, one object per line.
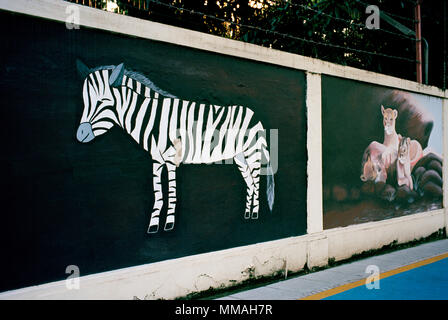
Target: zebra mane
{"x":137,"y":77}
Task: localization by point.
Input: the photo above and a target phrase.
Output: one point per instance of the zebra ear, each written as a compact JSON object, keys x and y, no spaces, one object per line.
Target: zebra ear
{"x":116,"y":77}
{"x":83,"y":70}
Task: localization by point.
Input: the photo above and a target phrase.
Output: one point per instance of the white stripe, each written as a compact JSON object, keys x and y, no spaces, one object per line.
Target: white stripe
{"x":131,"y":112}
{"x":150,"y":124}
{"x":126,"y":95}
{"x":93,"y":100}
{"x":106,"y":78}
{"x":210,"y":131}
{"x":107,"y":113}
{"x":252,"y":132}
{"x":190,"y":140}
{"x":138,"y":123}
{"x":243,"y":129}
{"x":117,"y":100}
{"x":198,"y":143}
{"x":99,"y":131}
{"x":92,"y":82}
{"x":102,"y":124}
{"x":173,"y":121}
{"x":163,"y":126}
{"x":100,"y":83}
{"x":183,"y":125}
{"x":232,"y":133}
{"x":217,"y":152}
{"x":101,"y":107}
{"x":85,"y":97}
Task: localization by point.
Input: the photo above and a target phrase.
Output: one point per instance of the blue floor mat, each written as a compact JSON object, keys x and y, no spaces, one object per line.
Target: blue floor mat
{"x":428,"y":282}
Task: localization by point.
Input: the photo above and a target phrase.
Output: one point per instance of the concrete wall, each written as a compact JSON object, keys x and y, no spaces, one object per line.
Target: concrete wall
{"x":178,"y":277}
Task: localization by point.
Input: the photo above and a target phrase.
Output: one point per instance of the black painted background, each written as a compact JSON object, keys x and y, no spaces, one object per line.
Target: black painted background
{"x":68,"y":203}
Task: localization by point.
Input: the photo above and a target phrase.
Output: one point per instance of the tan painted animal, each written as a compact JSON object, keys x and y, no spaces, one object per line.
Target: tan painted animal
{"x":391,"y":138}
{"x":415,"y":152}
{"x":390,"y":135}
{"x":404,"y":163}
{"x":371,"y":171}
{"x":415,"y":120}
{"x":373,"y":168}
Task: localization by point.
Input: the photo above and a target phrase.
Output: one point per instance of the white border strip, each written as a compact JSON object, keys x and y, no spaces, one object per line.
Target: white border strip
{"x":314,"y":148}
{"x":445,"y":158}
{"x":99,"y":19}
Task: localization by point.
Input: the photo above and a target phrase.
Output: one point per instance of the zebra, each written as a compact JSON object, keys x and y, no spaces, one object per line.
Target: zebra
{"x":174,"y":131}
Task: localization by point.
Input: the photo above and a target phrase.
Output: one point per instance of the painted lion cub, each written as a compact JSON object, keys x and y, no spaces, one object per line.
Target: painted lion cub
{"x":372,"y":167}
{"x":391,"y":138}
{"x":379,"y":157}
{"x":404,"y":163}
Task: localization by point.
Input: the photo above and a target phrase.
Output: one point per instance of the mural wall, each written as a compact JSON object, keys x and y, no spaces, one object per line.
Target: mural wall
{"x":119,"y":151}
{"x":382,"y":152}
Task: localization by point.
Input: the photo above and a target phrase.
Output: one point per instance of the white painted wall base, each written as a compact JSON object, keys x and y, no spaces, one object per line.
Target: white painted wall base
{"x":317,"y":254}
{"x":179,"y":277}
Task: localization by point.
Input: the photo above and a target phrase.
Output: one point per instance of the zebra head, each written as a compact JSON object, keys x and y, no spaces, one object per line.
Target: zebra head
{"x":99,"y":114}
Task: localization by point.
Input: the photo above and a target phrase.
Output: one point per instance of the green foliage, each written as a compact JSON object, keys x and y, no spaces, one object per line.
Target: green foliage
{"x":326,"y":23}
{"x":331,"y":30}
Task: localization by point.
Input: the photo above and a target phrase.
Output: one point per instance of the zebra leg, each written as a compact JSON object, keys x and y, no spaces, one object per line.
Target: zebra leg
{"x":254,"y":164}
{"x":169,"y":224}
{"x":245,"y":172}
{"x":157,"y":168}
{"x":171,"y":161}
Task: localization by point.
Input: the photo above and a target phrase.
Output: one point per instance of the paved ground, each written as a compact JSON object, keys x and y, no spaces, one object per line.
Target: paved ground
{"x":419,"y":272}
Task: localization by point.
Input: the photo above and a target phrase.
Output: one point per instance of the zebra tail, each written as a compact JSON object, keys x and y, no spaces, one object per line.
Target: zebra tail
{"x":270,"y":190}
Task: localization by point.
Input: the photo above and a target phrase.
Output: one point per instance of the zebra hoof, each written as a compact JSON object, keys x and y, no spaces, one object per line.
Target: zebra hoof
{"x":169,"y":226}
{"x":169,"y":223}
{"x":255,"y":215}
{"x":247,"y":215}
{"x":153,"y":229}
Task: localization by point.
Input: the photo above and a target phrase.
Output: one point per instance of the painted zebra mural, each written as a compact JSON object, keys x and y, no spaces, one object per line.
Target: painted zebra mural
{"x":174,"y":131}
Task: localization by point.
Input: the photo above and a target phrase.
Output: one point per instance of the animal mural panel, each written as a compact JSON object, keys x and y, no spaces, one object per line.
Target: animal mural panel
{"x":140,"y":136}
{"x":389,"y":157}
{"x":174,"y":131}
